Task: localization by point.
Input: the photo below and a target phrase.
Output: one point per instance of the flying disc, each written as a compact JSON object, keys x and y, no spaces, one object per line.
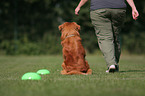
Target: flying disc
{"x":43,"y":71}
{"x":31,"y":76}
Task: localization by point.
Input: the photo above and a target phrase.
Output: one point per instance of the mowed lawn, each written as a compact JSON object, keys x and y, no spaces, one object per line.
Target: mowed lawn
{"x":130,"y":81}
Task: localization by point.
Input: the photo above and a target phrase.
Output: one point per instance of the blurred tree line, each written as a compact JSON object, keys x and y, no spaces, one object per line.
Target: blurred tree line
{"x":31,"y":27}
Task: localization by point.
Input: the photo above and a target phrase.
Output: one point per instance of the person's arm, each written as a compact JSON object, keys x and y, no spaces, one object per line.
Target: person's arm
{"x":135,"y":13}
{"x":81,"y":3}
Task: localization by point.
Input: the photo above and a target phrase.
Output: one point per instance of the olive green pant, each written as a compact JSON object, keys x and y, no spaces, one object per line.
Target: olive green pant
{"x":107,"y":23}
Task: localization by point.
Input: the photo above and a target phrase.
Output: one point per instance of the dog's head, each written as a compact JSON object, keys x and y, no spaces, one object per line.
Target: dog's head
{"x":69,"y":28}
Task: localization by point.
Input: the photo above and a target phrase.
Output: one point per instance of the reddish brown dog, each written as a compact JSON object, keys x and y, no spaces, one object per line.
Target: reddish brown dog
{"x":73,"y":51}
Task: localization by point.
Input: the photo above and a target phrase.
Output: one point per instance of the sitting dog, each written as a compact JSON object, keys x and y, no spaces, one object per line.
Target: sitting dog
{"x":73,"y":51}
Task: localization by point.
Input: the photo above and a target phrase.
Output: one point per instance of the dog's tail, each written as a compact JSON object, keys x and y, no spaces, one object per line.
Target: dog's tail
{"x":75,"y":72}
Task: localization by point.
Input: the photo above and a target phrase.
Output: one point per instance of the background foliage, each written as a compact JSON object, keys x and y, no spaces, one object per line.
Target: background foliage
{"x":31,"y":27}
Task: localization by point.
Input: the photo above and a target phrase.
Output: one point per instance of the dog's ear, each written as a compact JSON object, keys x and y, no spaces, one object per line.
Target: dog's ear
{"x":77,"y":26}
{"x":60,"y":27}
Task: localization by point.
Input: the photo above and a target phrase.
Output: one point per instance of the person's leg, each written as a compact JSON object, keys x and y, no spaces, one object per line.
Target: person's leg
{"x":103,"y":27}
{"x":117,"y":19}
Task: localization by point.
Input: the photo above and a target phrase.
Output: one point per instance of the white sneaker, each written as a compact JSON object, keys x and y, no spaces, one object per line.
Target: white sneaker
{"x":111,"y":69}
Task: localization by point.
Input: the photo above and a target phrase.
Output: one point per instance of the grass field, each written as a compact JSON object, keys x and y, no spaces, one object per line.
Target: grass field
{"x":130,"y":81}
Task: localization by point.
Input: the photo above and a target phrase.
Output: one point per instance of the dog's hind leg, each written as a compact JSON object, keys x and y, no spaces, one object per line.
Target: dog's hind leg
{"x":89,"y":72}
{"x":64,"y":69}
{"x":64,"y":72}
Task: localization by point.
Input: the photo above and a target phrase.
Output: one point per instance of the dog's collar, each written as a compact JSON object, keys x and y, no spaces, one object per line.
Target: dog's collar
{"x":69,"y":36}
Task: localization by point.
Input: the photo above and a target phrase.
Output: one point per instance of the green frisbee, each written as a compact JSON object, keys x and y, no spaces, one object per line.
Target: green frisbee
{"x":43,"y":71}
{"x":31,"y":76}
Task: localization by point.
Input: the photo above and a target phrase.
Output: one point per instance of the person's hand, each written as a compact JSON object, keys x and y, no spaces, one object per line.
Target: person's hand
{"x":77,"y":11}
{"x":135,"y":14}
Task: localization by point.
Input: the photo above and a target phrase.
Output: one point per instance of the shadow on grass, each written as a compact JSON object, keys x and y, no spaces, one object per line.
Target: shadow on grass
{"x":132,"y":71}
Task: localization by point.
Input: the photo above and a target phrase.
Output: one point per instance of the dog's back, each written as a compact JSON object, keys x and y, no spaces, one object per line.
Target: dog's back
{"x":74,"y":54}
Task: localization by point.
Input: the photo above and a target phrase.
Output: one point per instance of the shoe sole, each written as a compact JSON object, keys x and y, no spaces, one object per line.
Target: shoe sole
{"x":112,"y":69}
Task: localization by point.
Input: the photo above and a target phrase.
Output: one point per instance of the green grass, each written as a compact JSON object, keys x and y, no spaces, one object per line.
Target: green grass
{"x":130,"y":81}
